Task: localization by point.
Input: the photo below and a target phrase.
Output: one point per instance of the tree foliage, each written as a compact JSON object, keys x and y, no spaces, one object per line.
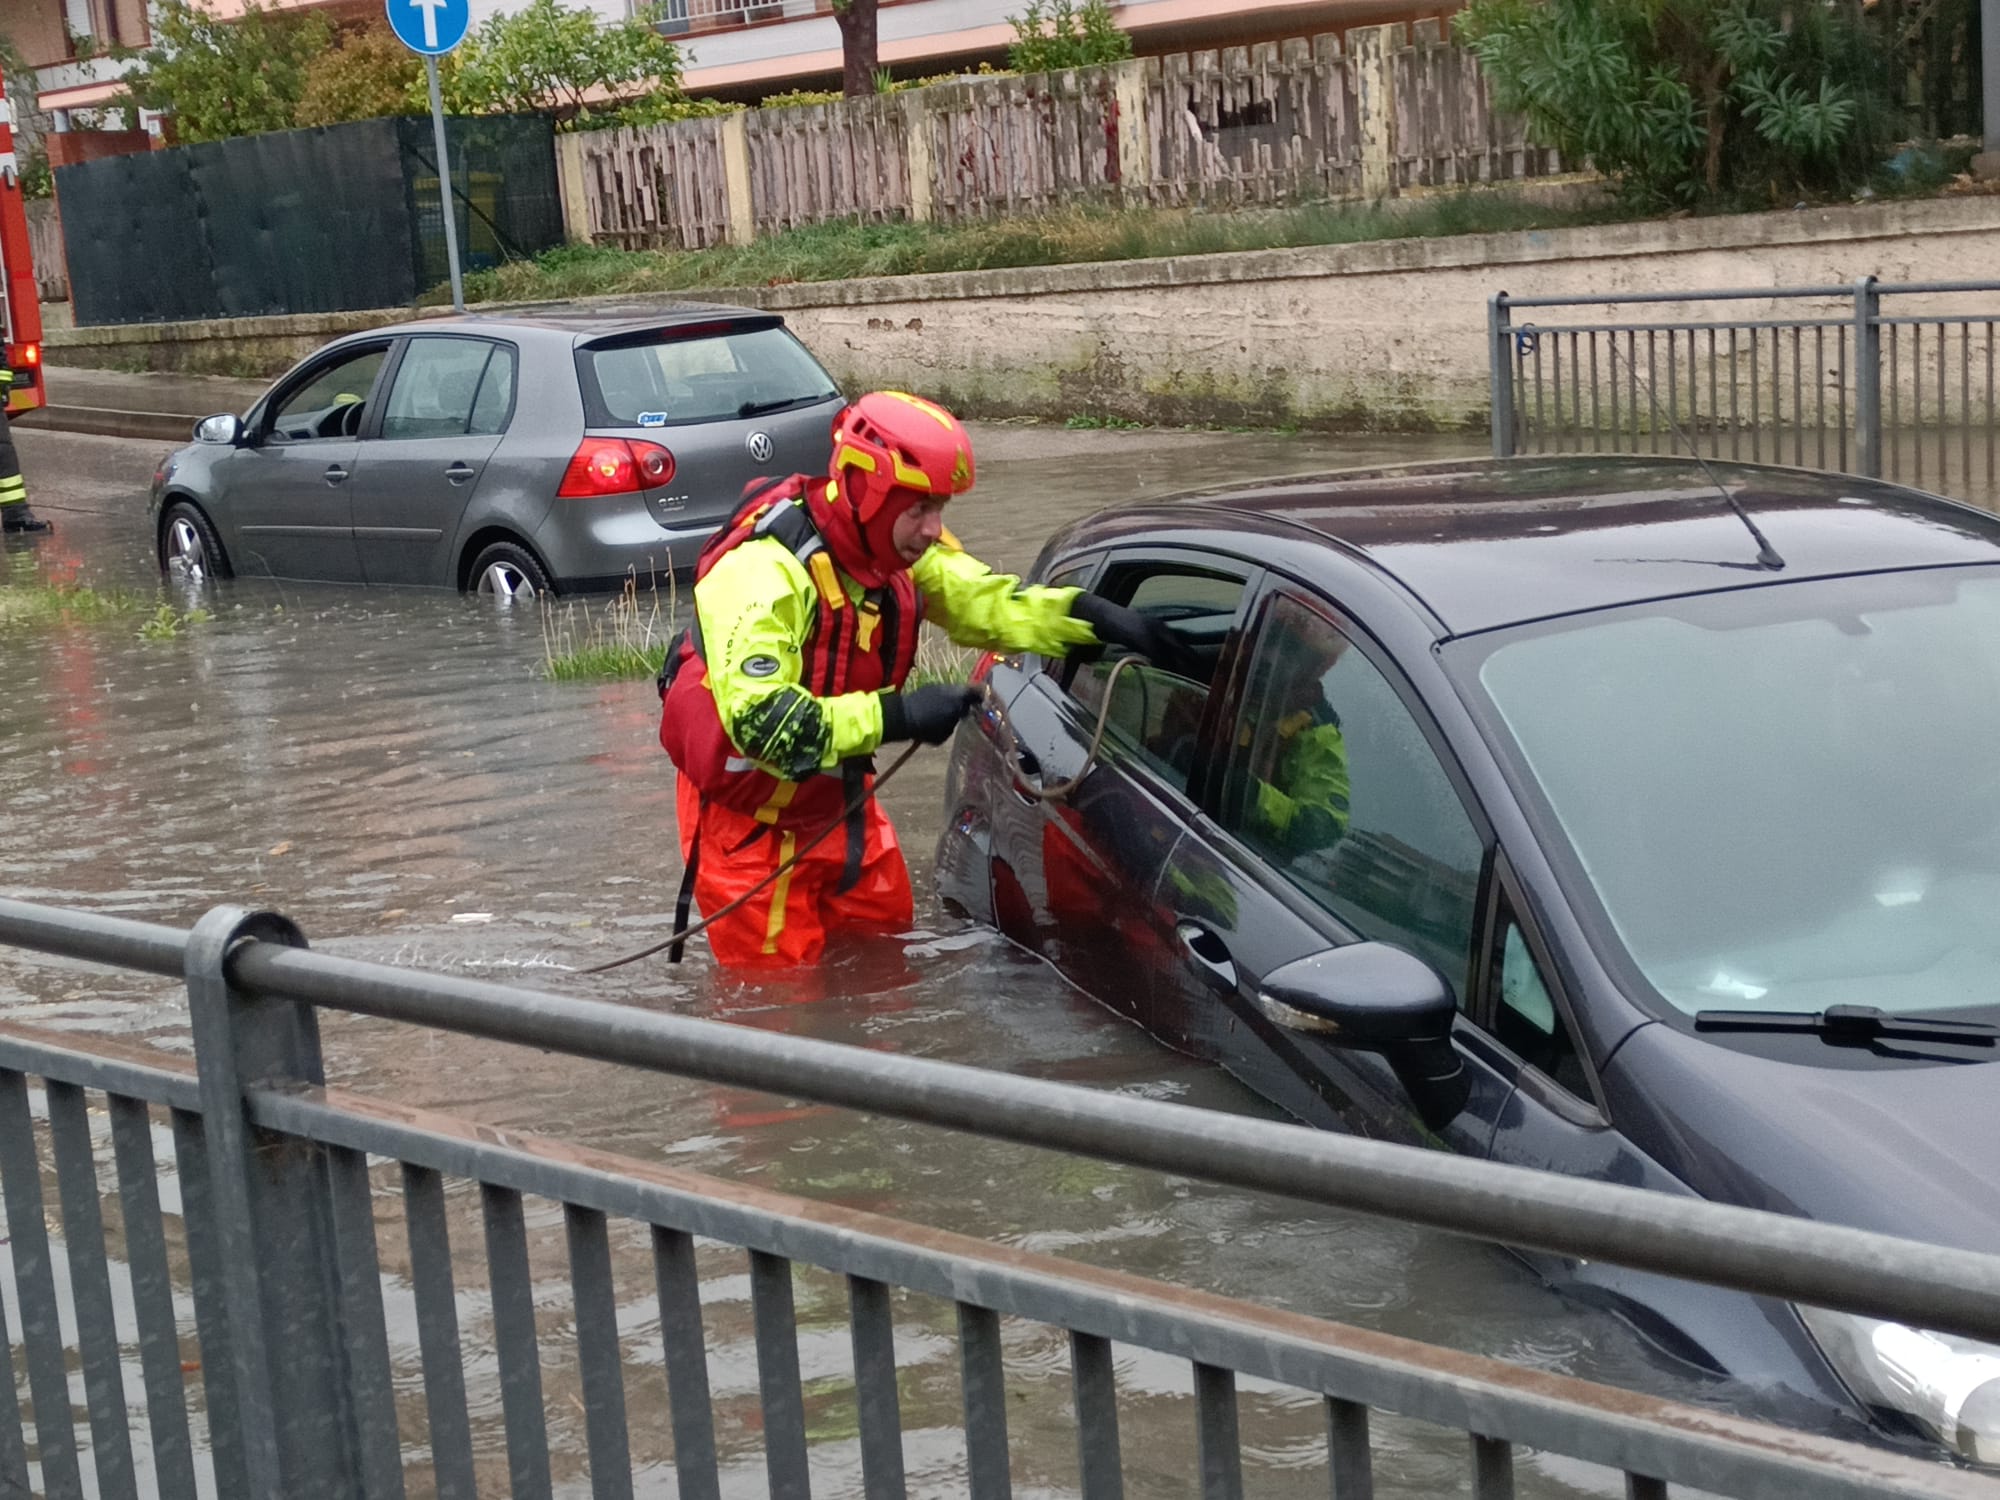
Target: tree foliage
{"x":567,"y":62}
{"x":367,"y":73}
{"x":1690,"y":102}
{"x":1054,"y":34}
{"x":223,"y":78}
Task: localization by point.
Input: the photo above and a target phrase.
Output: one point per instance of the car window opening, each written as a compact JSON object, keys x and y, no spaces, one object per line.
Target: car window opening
{"x":1155,"y":711}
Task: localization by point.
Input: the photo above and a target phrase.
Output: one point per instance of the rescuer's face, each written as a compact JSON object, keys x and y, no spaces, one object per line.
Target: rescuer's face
{"x":917,"y":529}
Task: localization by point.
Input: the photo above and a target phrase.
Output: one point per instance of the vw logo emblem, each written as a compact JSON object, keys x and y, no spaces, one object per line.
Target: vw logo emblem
{"x":761,"y":447}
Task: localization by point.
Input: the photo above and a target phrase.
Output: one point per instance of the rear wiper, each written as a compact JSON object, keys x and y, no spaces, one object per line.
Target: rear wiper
{"x":758,"y":408}
{"x":1853,"y":1025}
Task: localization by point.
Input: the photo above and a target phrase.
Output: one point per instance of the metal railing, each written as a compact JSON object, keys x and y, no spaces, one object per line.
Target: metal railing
{"x":1892,"y":382}
{"x":274,"y":1272}
{"x":680,"y":17}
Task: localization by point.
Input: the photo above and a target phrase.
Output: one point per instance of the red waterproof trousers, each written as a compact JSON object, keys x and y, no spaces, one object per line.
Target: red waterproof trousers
{"x":787,"y":923}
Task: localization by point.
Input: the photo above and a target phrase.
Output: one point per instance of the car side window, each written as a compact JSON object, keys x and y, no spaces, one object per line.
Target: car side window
{"x":331,"y":402}
{"x":1155,"y":712}
{"x":495,"y":403}
{"x":1331,"y":779}
{"x":1526,"y":1018}
{"x":436,"y":387}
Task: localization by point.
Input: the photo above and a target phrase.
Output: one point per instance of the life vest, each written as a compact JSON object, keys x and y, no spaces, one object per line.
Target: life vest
{"x":849,"y":648}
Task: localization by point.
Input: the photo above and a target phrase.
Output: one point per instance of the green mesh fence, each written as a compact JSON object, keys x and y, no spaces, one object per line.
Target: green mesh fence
{"x":302,"y":221}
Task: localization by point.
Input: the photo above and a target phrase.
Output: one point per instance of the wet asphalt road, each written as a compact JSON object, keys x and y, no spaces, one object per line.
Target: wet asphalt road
{"x":391,"y":769}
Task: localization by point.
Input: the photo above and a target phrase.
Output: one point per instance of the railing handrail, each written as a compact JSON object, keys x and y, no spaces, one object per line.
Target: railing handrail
{"x":1753,"y":293}
{"x":1930,"y":1286}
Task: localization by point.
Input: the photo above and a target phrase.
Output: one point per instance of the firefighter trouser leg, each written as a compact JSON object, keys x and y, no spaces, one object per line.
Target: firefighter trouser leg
{"x":786,"y":923}
{"x":13,"y":487}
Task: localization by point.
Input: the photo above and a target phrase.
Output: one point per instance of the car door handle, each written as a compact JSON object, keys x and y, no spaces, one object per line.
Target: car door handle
{"x":1208,"y":953}
{"x":335,"y":473}
{"x":458,"y":473}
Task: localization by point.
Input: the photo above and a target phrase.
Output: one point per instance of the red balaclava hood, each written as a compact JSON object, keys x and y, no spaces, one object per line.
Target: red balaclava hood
{"x":891,"y":451}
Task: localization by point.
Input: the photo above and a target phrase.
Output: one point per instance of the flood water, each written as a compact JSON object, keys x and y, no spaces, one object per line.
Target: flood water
{"x":393,"y":771}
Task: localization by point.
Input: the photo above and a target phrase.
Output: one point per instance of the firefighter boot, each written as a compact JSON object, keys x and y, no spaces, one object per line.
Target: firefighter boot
{"x":20,"y":518}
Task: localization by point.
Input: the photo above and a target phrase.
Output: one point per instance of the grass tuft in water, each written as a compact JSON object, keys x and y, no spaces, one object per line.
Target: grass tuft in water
{"x":40,"y":601}
{"x":622,"y":639}
{"x":166,"y":623}
{"x":938,"y":660}
{"x":627,"y":638}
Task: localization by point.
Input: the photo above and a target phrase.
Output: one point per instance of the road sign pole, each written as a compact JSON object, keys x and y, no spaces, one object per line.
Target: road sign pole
{"x":444,"y":186}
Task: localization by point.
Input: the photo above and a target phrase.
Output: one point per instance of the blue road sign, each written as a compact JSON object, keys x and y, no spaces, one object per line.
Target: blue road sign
{"x":432,"y":27}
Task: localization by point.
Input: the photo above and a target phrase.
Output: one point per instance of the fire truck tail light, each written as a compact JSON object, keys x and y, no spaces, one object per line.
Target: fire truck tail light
{"x":31,"y":354}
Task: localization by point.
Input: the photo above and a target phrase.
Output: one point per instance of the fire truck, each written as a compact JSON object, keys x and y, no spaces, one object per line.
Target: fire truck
{"x":20,"y":306}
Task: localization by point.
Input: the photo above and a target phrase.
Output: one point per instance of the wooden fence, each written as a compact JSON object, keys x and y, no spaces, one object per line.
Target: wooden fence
{"x":828,"y":161}
{"x":651,"y":186}
{"x":45,"y":244}
{"x":1384,"y":110}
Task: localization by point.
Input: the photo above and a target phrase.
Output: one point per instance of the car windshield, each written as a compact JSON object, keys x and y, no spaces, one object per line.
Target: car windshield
{"x":1785,"y":798}
{"x":706,"y":378}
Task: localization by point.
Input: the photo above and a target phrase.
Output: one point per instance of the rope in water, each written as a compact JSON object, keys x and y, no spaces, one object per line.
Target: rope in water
{"x":1020,"y":777}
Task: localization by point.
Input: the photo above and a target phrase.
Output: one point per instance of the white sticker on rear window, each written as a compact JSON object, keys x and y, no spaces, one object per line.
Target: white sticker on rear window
{"x":652,"y":419}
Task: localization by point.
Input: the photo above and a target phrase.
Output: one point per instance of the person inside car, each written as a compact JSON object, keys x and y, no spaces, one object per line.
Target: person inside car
{"x":807,"y":604}
{"x":1300,"y":798}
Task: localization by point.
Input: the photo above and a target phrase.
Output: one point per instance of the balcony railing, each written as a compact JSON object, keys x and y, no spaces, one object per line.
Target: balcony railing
{"x":685,"y":17}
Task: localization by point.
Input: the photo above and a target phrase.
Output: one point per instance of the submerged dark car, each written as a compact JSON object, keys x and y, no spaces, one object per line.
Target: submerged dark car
{"x":1628,"y":819}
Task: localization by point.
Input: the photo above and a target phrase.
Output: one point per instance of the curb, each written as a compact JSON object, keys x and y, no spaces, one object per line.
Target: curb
{"x":105,"y":421}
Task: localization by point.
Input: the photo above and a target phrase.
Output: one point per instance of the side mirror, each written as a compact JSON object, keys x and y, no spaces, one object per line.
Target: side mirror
{"x":225,"y":429}
{"x":1377,"y":998}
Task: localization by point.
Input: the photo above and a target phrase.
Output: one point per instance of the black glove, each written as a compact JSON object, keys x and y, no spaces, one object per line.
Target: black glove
{"x":927,"y":715}
{"x":1142,"y":634}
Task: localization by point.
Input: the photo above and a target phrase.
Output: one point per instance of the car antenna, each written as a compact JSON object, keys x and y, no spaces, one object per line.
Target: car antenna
{"x":1767,"y":555}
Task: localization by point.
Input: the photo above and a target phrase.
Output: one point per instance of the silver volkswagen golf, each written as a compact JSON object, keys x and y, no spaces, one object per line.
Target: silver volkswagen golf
{"x":519,"y":454}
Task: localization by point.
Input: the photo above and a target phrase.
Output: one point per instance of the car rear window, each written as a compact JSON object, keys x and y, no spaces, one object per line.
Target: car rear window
{"x":674,"y":377}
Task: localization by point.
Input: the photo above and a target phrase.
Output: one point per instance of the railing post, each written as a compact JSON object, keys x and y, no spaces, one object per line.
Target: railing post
{"x":1500,"y":352}
{"x":1867,"y":378}
{"x":274,"y":1228}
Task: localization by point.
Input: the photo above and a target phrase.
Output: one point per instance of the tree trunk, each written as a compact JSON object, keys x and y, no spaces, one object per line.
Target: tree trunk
{"x":856,"y":20}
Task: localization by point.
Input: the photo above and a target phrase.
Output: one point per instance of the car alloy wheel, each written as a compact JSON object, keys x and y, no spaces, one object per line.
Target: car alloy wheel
{"x":506,"y":580}
{"x":187,"y":557}
{"x":190,"y":551}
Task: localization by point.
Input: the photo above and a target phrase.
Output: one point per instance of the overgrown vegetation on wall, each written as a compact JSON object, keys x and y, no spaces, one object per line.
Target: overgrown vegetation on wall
{"x":1054,"y":34}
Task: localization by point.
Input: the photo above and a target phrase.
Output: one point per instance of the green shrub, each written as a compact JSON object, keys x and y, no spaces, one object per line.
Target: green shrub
{"x":1691,"y":102}
{"x":1054,"y":34}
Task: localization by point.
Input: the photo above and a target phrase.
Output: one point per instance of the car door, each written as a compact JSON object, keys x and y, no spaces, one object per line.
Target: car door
{"x":449,"y":400}
{"x":1330,"y":817}
{"x":285,"y":498}
{"x":1075,"y":876}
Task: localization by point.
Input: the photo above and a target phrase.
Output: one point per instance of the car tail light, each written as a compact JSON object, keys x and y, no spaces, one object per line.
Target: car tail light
{"x":982,"y":668}
{"x":615,"y":466}
{"x":656,"y":464}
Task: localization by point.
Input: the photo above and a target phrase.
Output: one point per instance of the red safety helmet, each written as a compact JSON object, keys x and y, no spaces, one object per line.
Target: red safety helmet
{"x":891,"y":441}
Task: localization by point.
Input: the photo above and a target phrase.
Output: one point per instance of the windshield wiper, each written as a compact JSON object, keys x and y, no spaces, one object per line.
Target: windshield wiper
{"x":1853,"y":1025}
{"x":758,"y":408}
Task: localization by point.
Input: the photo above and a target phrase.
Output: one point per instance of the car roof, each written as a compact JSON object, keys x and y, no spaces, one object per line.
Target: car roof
{"x":1491,"y":542}
{"x":606,"y":321}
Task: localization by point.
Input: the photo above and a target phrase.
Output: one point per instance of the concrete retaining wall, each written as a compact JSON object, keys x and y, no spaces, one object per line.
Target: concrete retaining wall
{"x":1382,"y":336}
